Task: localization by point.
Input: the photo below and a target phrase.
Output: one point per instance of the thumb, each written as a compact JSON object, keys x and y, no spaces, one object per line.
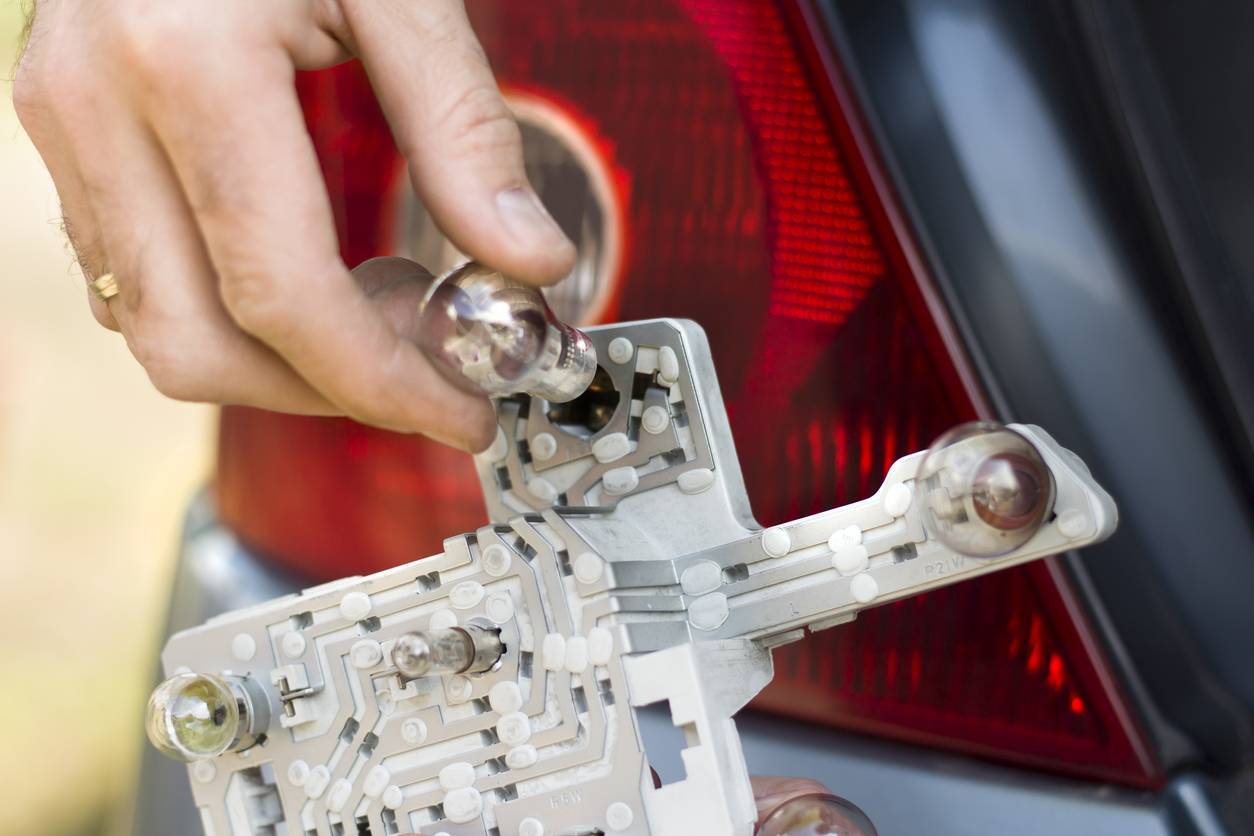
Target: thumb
{"x":463,"y":147}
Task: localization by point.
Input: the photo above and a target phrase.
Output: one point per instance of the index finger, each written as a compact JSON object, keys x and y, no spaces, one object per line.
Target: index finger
{"x":462,"y":144}
{"x":238,"y":143}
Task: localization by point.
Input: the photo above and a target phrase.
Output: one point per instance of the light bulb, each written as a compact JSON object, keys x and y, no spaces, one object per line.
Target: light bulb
{"x":814,"y":814}
{"x":983,"y":490}
{"x":469,"y":649}
{"x":491,"y":335}
{"x":193,"y":717}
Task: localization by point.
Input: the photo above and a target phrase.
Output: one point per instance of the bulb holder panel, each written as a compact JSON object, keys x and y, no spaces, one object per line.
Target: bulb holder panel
{"x":620,"y":568}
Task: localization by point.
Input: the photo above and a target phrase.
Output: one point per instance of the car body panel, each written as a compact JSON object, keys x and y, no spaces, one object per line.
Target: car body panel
{"x":1015,"y":195}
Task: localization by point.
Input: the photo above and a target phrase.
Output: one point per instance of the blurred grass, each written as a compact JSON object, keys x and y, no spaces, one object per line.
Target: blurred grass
{"x":95,"y":468}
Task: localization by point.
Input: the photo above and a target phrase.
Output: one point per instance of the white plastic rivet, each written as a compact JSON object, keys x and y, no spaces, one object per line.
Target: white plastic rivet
{"x":413,"y":731}
{"x":620,"y":480}
{"x":611,"y":448}
{"x":696,"y":481}
{"x":500,"y":446}
{"x":505,"y":697}
{"x":458,"y":688}
{"x":543,"y":446}
{"x":393,"y":798}
{"x":521,"y":757}
{"x":376,"y":782}
{"x":293,"y":644}
{"x":355,"y":606}
{"x":1072,"y":523}
{"x":701,"y":577}
{"x":588,"y":567}
{"x":553,"y":652}
{"x":457,"y":775}
{"x":576,"y":654}
{"x":850,"y":560}
{"x":655,"y":419}
{"x":600,"y":646}
{"x":621,"y":350}
{"x":338,"y":796}
{"x":463,"y":805}
{"x":618,"y":816}
{"x":500,"y":607}
{"x":667,"y":366}
{"x":496,"y":560}
{"x":864,"y":588}
{"x":204,"y":771}
{"x":514,"y":729}
{"x":243,"y":647}
{"x":297,"y":773}
{"x":466,"y":595}
{"x":776,"y":542}
{"x":709,"y":611}
{"x":850,"y":535}
{"x":530,"y":826}
{"x":897,"y":499}
{"x":365,"y":654}
{"x":442,"y":620}
{"x":542,"y":489}
{"x":316,"y":783}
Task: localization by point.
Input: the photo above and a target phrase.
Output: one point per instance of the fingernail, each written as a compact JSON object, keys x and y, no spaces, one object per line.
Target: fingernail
{"x":525,"y":218}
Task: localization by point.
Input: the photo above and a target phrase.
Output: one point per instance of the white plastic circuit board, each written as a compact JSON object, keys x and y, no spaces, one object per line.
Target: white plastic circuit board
{"x":622,"y":569}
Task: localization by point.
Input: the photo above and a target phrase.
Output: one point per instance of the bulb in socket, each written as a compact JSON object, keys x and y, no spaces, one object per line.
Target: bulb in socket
{"x":193,"y":717}
{"x":469,"y":649}
{"x":491,"y":335}
{"x":983,"y":490}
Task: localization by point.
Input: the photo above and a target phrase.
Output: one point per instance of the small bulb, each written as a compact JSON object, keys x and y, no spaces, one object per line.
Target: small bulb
{"x":469,"y":649}
{"x":814,"y":814}
{"x":495,"y":336}
{"x":984,"y":490}
{"x":193,"y":717}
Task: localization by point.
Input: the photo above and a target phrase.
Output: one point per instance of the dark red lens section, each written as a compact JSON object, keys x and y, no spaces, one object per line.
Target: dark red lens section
{"x":747,"y":206}
{"x":992,"y":666}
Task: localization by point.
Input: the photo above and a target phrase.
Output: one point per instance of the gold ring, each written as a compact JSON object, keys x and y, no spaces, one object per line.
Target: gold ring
{"x":104,"y":287}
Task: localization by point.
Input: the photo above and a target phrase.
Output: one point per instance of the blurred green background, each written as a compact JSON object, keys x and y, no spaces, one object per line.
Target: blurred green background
{"x":95,"y":469}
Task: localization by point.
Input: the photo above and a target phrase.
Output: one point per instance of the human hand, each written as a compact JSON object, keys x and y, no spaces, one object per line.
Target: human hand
{"x":177,"y":145}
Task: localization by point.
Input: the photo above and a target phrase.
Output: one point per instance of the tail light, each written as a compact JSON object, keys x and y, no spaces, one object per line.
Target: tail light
{"x":706,"y":158}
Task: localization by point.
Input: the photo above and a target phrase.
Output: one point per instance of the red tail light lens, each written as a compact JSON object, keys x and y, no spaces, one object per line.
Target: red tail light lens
{"x":745,"y":203}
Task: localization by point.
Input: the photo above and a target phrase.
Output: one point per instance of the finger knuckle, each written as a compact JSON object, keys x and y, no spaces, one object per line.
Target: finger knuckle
{"x":481,"y":122}
{"x":172,"y":374}
{"x":255,"y":298}
{"x":158,"y":43}
{"x":30,"y":97}
{"x":26,"y":98}
{"x":102,"y":316}
{"x":260,"y":289}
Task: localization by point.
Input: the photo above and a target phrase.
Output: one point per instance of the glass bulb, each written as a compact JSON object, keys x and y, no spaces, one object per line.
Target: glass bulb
{"x":495,"y":336}
{"x":814,"y":814}
{"x":193,"y":717}
{"x":984,"y":490}
{"x":469,"y":649}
